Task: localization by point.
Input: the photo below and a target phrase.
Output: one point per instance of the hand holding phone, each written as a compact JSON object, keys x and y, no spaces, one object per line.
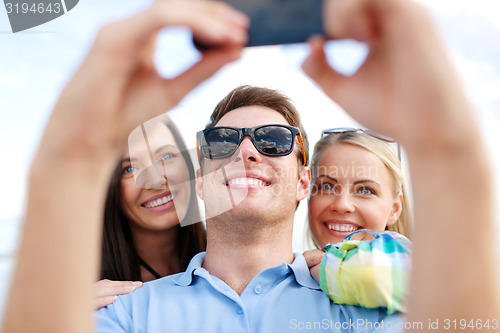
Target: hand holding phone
{"x":279,"y":21}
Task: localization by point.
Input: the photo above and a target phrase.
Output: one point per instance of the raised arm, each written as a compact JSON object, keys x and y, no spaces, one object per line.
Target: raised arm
{"x":408,"y":89}
{"x":116,"y":89}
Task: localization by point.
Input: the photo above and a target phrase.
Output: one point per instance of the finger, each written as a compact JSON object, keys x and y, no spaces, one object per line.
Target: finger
{"x":210,"y":63}
{"x":313,"y":257}
{"x":315,"y":272}
{"x":113,"y":288}
{"x":106,"y":282}
{"x":352,"y":19}
{"x":222,"y":18}
{"x":104,"y":301}
{"x":210,"y":21}
{"x":148,"y":53}
{"x":317,"y":68}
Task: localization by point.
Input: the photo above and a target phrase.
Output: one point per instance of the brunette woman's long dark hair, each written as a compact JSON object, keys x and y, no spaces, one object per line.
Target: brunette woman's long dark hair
{"x":120,"y":260}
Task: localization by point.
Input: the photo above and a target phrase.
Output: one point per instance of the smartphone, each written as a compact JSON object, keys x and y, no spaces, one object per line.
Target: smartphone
{"x":275,"y":22}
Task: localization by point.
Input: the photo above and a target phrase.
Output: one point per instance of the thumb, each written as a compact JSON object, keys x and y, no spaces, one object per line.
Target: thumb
{"x":210,"y":63}
{"x":317,"y":68}
{"x":313,"y":257}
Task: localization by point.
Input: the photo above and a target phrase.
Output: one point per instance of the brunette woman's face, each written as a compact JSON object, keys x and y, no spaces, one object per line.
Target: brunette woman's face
{"x":352,"y":189}
{"x":155,"y":184}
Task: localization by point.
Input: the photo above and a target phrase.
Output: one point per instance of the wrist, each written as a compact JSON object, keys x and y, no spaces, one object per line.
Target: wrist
{"x":49,"y":170}
{"x":460,"y":176}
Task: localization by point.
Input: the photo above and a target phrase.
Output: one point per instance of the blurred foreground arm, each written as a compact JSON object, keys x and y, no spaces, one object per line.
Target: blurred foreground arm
{"x":408,"y":89}
{"x":116,"y":89}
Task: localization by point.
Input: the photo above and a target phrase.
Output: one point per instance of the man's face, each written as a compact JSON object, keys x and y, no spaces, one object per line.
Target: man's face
{"x":250,"y":185}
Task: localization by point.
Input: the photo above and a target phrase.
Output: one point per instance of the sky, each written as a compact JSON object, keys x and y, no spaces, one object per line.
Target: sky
{"x":36,"y":64}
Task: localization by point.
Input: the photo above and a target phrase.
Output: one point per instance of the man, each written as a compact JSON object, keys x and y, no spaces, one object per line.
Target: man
{"x":249,"y":279}
{"x":406,"y":89}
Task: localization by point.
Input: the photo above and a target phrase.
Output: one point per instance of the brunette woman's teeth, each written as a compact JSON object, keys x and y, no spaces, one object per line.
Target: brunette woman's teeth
{"x":159,"y":201}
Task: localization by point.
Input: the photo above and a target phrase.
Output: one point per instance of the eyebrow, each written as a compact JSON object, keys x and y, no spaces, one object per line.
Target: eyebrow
{"x":159,"y":149}
{"x":365,"y":181}
{"x":326,"y":176}
{"x":127,"y":159}
{"x":355,"y":183}
{"x":165,"y":146}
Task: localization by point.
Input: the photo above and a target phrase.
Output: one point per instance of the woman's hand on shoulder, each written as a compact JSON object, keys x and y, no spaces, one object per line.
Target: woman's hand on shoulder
{"x":106,"y":291}
{"x":313,"y":259}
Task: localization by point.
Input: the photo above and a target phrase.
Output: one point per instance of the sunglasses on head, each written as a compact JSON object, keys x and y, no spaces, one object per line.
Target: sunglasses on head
{"x":342,"y":130}
{"x":269,"y":140}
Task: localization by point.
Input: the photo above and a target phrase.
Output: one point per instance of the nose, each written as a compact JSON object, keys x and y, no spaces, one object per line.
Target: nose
{"x":342,"y":202}
{"x":152,"y":178}
{"x":248,"y":152}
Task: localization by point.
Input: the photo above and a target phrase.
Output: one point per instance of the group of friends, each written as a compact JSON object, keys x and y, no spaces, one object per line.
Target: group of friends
{"x":151,"y":212}
{"x":239,"y":273}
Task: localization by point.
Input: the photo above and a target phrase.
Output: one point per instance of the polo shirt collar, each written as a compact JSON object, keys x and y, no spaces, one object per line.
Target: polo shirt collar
{"x":302,"y":273}
{"x":186,"y":278}
{"x":298,"y":267}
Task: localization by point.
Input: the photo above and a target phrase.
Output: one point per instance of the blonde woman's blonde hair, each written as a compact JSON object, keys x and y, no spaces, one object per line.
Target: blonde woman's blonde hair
{"x":387,"y":154}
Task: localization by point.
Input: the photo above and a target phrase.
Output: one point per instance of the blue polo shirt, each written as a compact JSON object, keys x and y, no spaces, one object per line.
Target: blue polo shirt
{"x":284,"y":298}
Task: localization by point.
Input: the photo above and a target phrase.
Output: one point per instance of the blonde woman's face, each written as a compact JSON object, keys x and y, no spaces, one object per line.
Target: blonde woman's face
{"x":352,"y":189}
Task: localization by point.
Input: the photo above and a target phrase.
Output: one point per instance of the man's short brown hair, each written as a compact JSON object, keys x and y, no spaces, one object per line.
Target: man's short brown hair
{"x":256,"y":96}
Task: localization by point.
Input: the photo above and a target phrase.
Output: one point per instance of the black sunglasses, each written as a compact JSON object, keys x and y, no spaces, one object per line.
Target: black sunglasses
{"x":342,"y":130}
{"x":270,"y":140}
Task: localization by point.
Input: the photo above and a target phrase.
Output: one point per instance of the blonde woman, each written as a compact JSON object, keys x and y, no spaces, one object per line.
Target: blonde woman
{"x":357,"y":184}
